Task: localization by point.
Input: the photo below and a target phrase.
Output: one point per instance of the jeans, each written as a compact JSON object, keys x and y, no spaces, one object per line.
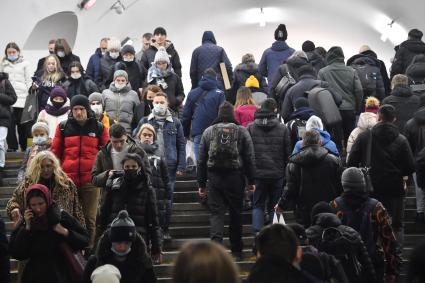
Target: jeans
{"x":420,"y":197}
{"x":395,"y":208}
{"x":196,"y":143}
{"x":3,"y":136}
{"x":265,"y":189}
{"x":226,"y":190}
{"x":89,"y":196}
{"x":348,"y":123}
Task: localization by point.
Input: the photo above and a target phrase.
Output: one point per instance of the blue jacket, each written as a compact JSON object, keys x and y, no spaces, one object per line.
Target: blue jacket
{"x":208,"y":55}
{"x":197,"y":119}
{"x":174,"y":142}
{"x":326,"y":143}
{"x":93,"y":66}
{"x":274,"y":57}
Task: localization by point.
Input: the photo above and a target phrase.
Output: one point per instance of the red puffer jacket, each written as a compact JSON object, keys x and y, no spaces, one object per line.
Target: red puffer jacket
{"x":77,"y":146}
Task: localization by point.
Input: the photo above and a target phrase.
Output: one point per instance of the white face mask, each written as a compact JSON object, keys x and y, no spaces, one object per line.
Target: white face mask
{"x":114,"y":55}
{"x":76,"y":76}
{"x":40,"y":140}
{"x":128,"y":58}
{"x":159,"y":109}
{"x":98,"y":109}
{"x":61,"y":54}
{"x":120,"y":86}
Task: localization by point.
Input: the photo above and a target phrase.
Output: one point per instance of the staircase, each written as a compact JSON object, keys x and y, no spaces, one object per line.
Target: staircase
{"x":190,"y":222}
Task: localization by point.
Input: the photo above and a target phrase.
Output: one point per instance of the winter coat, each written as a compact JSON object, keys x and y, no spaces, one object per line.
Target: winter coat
{"x":148,"y":57}
{"x":119,"y":105}
{"x":53,"y":121}
{"x":305,"y":83}
{"x":136,"y":74}
{"x":65,"y":197}
{"x":209,"y":55}
{"x":67,"y":60}
{"x":405,"y":104}
{"x":83,"y":85}
{"x":103,"y":162}
{"x":326,"y":143}
{"x":77,"y":146}
{"x":272,"y":145}
{"x":366,"y":122}
{"x":391,"y":159}
{"x":173,"y":87}
{"x":106,"y":76}
{"x":7,"y":99}
{"x":46,"y":262}
{"x":29,"y":154}
{"x":301,"y":114}
{"x":246,"y":155}
{"x":174,"y":142}
{"x":317,"y":61}
{"x":275,"y":269}
{"x":415,"y":72}
{"x":323,"y":221}
{"x":93,"y":67}
{"x":343,"y":80}
{"x":405,"y":54}
{"x":160,"y":182}
{"x":413,"y":129}
{"x":244,"y":114}
{"x":243,"y":71}
{"x":312,"y":175}
{"x":273,"y":57}
{"x":199,"y":115}
{"x":19,"y":77}
{"x":138,"y":198}
{"x":291,"y":66}
{"x":44,"y":88}
{"x":383,"y":71}
{"x":4,"y":254}
{"x":136,"y":268}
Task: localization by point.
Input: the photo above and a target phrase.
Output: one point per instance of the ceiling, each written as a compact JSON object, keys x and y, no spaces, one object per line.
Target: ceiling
{"x":347,"y":23}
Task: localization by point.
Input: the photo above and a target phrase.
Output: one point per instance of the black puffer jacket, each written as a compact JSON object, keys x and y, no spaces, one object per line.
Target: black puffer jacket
{"x":7,"y":99}
{"x":160,"y":182}
{"x":312,"y":175}
{"x":416,"y":72}
{"x":391,"y":159}
{"x":136,"y":268}
{"x":243,"y":71}
{"x":148,"y":57}
{"x":272,"y":145}
{"x":174,"y":90}
{"x":83,"y":85}
{"x":412,"y":130}
{"x":329,"y":220}
{"x":138,"y":198}
{"x":405,"y":54}
{"x":405,"y":104}
{"x":106,"y":71}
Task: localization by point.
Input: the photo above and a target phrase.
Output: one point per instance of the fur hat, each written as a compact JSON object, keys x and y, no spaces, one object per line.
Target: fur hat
{"x":308,"y":46}
{"x":40,"y":126}
{"x":281,"y":33}
{"x":352,"y":179}
{"x":107,"y":273}
{"x":252,"y":82}
{"x":314,"y":123}
{"x":122,"y":228}
{"x":120,"y":73}
{"x":162,"y":56}
{"x":248,"y":58}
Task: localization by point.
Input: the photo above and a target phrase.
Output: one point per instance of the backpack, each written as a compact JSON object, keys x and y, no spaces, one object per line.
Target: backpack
{"x":368,"y":76}
{"x":361,"y":221}
{"x":297,"y":127}
{"x":223,"y":152}
{"x":335,"y":242}
{"x":323,"y":104}
{"x":285,"y":83}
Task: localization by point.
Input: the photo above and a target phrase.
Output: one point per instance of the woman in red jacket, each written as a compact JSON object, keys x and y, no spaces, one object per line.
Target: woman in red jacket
{"x":245,"y":106}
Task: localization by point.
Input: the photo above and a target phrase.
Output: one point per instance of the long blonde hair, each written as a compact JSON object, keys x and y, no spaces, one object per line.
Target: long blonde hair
{"x":244,"y":97}
{"x":57,"y":75}
{"x":34,"y":169}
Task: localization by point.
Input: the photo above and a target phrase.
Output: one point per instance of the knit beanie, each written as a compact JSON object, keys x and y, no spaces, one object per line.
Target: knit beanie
{"x":160,"y":30}
{"x":120,"y":73}
{"x":40,"y":126}
{"x":122,"y":228}
{"x":80,"y":100}
{"x":127,"y":49}
{"x":58,"y":91}
{"x":281,"y":33}
{"x":162,"y":56}
{"x":308,"y":46}
{"x":415,"y":34}
{"x":252,"y":82}
{"x":147,"y":127}
{"x":106,"y":274}
{"x":352,"y":179}
{"x":314,"y":122}
{"x":248,"y":58}
{"x":114,"y":44}
{"x":372,"y":104}
{"x":96,"y":96}
{"x":301,"y":102}
{"x":226,"y":111}
{"x":269,"y":104}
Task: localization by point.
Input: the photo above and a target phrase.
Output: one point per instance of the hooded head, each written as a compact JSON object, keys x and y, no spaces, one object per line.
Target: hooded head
{"x":31,"y":191}
{"x":314,"y":123}
{"x":281,"y":33}
{"x":208,"y":36}
{"x":335,"y":54}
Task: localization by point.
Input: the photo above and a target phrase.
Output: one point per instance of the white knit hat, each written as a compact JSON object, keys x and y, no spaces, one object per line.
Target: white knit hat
{"x":314,"y":122}
{"x":114,"y":43}
{"x":41,"y":125}
{"x":106,"y":274}
{"x":162,"y":56}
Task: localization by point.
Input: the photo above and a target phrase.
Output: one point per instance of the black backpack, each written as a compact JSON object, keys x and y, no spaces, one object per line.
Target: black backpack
{"x":297,"y":128}
{"x":368,"y":76}
{"x":223,"y":152}
{"x":323,"y":104}
{"x":418,"y":87}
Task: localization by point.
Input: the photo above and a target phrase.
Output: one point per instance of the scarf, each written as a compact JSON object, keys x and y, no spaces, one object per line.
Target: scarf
{"x":52,"y":110}
{"x":159,"y":76}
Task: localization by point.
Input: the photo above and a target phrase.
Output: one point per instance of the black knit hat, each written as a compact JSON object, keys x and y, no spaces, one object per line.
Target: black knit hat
{"x":353,"y":180}
{"x":281,"y":33}
{"x":122,"y":228}
{"x":308,"y":46}
{"x":301,"y":102}
{"x":416,"y":34}
{"x":80,"y":100}
{"x":127,"y":49}
{"x":160,"y":30}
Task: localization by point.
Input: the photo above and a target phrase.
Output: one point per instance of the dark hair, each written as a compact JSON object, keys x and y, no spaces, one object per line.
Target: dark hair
{"x":117,"y":131}
{"x":311,"y":138}
{"x":147,"y":35}
{"x":210,"y":72}
{"x":35,"y":193}
{"x":12,"y":45}
{"x":75,"y":64}
{"x":160,"y":30}
{"x":132,"y":156}
{"x":321,"y":51}
{"x":278,"y":240}
{"x":153,"y":88}
{"x":386,"y":113}
{"x":299,"y":231}
{"x":62,"y":44}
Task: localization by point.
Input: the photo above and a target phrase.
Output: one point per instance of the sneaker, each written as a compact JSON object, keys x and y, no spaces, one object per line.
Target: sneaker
{"x":167,"y":236}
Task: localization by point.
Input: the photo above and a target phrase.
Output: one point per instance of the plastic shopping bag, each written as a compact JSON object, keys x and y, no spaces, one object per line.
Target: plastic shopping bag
{"x":278,"y":219}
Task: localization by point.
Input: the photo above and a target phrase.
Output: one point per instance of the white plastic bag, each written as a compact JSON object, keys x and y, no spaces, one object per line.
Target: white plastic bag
{"x":190,"y":154}
{"x":278,"y":219}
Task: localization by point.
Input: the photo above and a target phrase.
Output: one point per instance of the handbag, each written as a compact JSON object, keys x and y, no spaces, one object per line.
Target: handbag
{"x":31,"y":108}
{"x":366,"y":168}
{"x":74,"y":261}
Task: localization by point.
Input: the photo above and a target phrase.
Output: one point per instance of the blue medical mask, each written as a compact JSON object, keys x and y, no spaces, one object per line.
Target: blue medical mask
{"x":12,"y":58}
{"x":39,"y":140}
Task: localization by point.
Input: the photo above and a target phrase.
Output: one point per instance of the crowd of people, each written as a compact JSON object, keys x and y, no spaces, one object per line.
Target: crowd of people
{"x":337,"y":142}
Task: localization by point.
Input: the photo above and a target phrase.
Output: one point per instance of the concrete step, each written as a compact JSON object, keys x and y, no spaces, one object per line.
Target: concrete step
{"x":202,"y":231}
{"x":176,"y":244}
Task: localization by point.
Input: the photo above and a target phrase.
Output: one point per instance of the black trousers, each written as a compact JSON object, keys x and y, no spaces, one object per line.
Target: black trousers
{"x":23,"y":131}
{"x":348,"y":123}
{"x":226,"y":191}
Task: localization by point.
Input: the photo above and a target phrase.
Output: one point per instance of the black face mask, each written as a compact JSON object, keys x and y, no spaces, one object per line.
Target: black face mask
{"x":58,"y":104}
{"x":131,"y":174}
{"x":149,"y":103}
